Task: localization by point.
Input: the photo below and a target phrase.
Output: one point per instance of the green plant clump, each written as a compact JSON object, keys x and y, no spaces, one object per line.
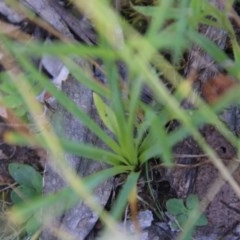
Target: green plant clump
{"x":184,"y":212}
{"x":138,"y":131}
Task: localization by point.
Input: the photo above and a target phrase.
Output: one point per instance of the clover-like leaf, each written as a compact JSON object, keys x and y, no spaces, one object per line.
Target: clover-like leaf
{"x":175,"y":206}
{"x":182,"y":218}
{"x":202,"y":221}
{"x":192,"y":202}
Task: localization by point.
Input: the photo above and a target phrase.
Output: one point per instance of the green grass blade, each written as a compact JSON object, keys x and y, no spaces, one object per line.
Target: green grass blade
{"x":122,"y":199}
{"x":134,"y":104}
{"x":219,"y":56}
{"x":91,"y":152}
{"x":162,"y":140}
{"x":59,"y":49}
{"x":62,"y":199}
{"x":85,"y":77}
{"x":66,"y":102}
{"x":106,"y":114}
{"x":124,"y":138}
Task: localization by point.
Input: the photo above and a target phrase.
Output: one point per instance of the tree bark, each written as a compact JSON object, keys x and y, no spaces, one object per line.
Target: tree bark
{"x":79,"y":220}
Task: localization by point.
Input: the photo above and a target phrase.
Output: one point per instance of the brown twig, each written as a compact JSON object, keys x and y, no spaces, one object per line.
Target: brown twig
{"x":180,"y":165}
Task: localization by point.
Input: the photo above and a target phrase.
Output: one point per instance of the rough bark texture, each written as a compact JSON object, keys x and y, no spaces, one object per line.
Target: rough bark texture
{"x":45,"y":10}
{"x":79,"y":220}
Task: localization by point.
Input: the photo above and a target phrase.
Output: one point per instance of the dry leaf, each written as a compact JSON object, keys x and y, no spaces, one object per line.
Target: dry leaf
{"x":216,"y":87}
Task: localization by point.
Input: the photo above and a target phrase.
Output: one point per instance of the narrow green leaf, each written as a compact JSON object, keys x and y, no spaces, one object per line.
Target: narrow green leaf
{"x":117,"y":105}
{"x":156,"y":143}
{"x":151,"y":149}
{"x":60,"y":49}
{"x":159,"y":18}
{"x":122,"y":199}
{"x":63,"y":199}
{"x":85,"y":77}
{"x":163,"y":141}
{"x":149,"y":11}
{"x":143,"y":128}
{"x":178,"y":134}
{"x":209,"y":46}
{"x":106,"y":114}
{"x":95,"y":179}
{"x":133,"y":107}
{"x":92,"y":152}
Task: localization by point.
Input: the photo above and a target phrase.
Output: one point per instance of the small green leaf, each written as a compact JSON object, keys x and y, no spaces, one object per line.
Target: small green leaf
{"x":175,"y":206}
{"x":26,"y":175}
{"x":91,"y":152}
{"x":182,"y":218}
{"x":12,"y":101}
{"x":192,"y":202}
{"x":20,"y":111}
{"x":123,"y":197}
{"x":106,"y":114}
{"x":22,"y":193}
{"x":6,"y":86}
{"x":33,"y":224}
{"x":202,"y":221}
